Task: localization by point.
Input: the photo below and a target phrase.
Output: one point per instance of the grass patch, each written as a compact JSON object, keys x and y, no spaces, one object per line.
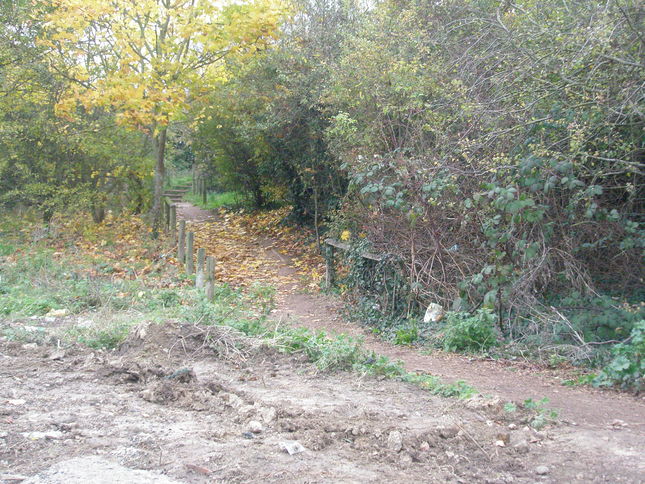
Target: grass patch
{"x":180,"y":180}
{"x":218,"y":200}
{"x":6,"y":249}
{"x":107,"y":337}
{"x":39,"y":283}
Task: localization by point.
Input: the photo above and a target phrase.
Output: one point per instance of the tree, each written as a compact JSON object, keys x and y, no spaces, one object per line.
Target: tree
{"x":146,"y":60}
{"x":265,"y":127}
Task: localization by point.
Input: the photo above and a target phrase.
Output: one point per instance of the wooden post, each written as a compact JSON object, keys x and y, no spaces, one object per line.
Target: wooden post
{"x":190,"y":263}
{"x":330,"y":272}
{"x":168,"y":204}
{"x":164,"y":207}
{"x":210,"y":277}
{"x":173,"y":222}
{"x":181,"y":242}
{"x":204,"y":194}
{"x":201,"y":276}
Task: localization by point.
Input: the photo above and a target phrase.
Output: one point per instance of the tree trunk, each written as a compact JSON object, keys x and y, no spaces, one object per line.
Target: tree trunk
{"x":159,"y":141}
{"x":98,"y":212}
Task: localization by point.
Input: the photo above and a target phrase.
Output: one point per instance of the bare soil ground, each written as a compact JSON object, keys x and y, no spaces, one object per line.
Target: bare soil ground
{"x":180,"y":403}
{"x":168,"y":403}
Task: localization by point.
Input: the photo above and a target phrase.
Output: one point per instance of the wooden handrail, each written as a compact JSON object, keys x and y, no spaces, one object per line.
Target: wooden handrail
{"x":343,"y":246}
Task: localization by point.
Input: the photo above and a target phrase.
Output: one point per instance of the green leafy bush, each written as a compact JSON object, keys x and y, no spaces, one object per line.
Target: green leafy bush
{"x":627,"y":366}
{"x":406,"y":336}
{"x":469,"y":332}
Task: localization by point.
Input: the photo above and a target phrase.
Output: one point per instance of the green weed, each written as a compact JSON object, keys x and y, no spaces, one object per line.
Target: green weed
{"x":510,"y":407}
{"x":542,"y":414}
{"x":587,"y":379}
{"x":469,"y":332}
{"x":458,"y":389}
{"x":406,"y":336}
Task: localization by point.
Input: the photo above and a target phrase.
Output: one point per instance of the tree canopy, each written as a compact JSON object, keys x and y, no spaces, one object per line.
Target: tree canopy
{"x":146,"y":61}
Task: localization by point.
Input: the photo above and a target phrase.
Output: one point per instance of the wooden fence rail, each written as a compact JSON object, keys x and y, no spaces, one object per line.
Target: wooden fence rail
{"x":330,"y":267}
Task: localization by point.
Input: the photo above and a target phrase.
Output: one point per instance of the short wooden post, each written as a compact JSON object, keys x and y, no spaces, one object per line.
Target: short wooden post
{"x":210,"y":277}
{"x":164,"y":212}
{"x":167,"y":205}
{"x":173,"y":222}
{"x":181,"y":242}
{"x":201,"y":276}
{"x":190,"y":263}
{"x":330,"y":270}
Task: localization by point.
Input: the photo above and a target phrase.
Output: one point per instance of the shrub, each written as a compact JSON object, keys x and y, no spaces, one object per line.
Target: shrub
{"x":469,"y":332}
{"x":406,"y":336}
{"x":627,"y":367}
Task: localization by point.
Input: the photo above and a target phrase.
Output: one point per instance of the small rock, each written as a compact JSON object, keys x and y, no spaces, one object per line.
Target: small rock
{"x":512,"y":426}
{"x":504,"y":438}
{"x":57,"y":313}
{"x":405,"y":459}
{"x":479,"y":402}
{"x":248,"y":435}
{"x":52,"y":435}
{"x":148,"y":395}
{"x":57,"y":355}
{"x":292,"y":447}
{"x":96,"y":442}
{"x":395,"y":441}
{"x":198,"y":469}
{"x":12,"y":478}
{"x":4,"y":435}
{"x":246,"y":410}
{"x":268,"y":414}
{"x":617,"y":423}
{"x":255,"y":427}
{"x":30,"y":346}
{"x":17,"y":401}
{"x":522,"y":447}
{"x":424,"y":446}
{"x":233,"y":400}
{"x":541,"y":470}
{"x":448,"y":432}
{"x":434,"y":313}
